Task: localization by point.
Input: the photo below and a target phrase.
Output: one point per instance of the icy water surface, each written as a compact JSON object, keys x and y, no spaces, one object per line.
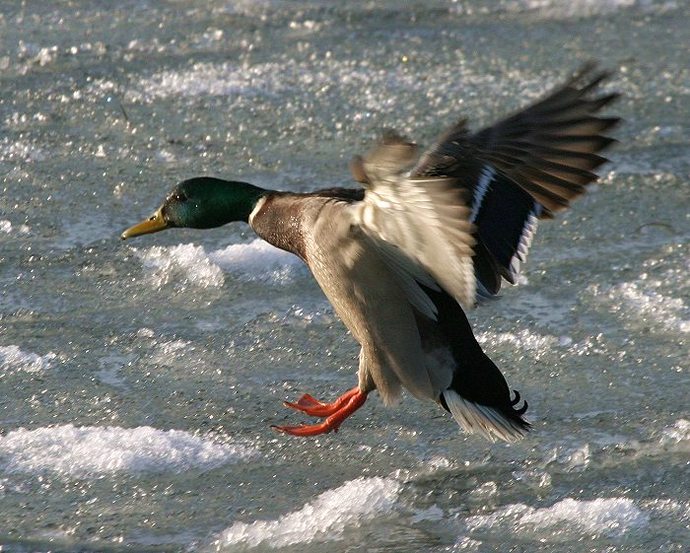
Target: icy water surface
{"x":138,"y":380}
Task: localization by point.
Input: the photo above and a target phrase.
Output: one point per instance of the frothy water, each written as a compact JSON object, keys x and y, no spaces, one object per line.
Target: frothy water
{"x":641,"y":298}
{"x":139,"y":380}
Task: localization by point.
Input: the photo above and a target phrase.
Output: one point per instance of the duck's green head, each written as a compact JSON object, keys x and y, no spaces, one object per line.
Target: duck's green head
{"x":202,"y":202}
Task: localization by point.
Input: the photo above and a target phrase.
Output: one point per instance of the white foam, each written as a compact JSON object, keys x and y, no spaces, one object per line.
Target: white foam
{"x":13,"y":359}
{"x":20,"y":151}
{"x":94,"y":450}
{"x":256,"y":261}
{"x":310,"y":312}
{"x":323,"y":519}
{"x":558,"y":9}
{"x":224,"y":79}
{"x":611,"y":516}
{"x":36,"y":54}
{"x":268,"y":79}
{"x":166,"y":352}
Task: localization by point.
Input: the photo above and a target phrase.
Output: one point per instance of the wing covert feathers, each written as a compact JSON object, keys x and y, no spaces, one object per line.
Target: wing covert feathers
{"x":525,"y":167}
{"x":423,"y":221}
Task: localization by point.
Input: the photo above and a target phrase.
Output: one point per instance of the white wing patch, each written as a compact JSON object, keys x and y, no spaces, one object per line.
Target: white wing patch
{"x":526,"y":237}
{"x":485,"y":178}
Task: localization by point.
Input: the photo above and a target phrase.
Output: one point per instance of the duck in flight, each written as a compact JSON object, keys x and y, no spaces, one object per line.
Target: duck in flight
{"x":425,"y":237}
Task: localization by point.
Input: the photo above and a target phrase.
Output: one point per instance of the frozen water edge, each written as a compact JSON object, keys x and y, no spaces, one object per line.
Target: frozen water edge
{"x":323,"y":519}
{"x":91,"y":451}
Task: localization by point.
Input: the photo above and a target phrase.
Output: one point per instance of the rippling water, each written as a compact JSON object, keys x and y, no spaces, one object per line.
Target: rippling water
{"x":138,"y":380}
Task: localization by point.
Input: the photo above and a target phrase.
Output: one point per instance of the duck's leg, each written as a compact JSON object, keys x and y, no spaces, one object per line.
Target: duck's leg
{"x":335,"y":413}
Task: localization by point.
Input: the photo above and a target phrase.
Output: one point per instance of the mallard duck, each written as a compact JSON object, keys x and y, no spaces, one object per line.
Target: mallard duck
{"x":424,"y":238}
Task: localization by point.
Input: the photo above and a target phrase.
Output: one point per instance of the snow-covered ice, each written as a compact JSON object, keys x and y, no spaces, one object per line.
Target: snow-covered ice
{"x":612,"y":516}
{"x":13,"y":359}
{"x":89,"y":451}
{"x":323,"y":519}
{"x":255,"y":261}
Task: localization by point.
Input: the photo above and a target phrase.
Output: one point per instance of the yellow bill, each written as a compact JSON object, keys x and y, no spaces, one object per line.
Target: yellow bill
{"x":153,"y":224}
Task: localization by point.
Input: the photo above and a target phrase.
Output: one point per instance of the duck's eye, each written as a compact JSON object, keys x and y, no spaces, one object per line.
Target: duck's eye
{"x":179,"y":197}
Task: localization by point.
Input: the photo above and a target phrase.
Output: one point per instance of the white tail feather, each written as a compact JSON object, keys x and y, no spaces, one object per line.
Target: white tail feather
{"x":474,"y":418}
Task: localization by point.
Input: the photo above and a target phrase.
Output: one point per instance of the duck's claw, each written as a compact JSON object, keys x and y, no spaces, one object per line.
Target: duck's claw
{"x":335,"y":413}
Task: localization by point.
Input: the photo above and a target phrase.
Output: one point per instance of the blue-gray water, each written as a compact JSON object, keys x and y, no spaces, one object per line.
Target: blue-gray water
{"x":138,"y":380}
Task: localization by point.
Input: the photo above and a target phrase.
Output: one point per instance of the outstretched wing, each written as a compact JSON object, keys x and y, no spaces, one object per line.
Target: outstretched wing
{"x":524,"y":168}
{"x":419,"y":225}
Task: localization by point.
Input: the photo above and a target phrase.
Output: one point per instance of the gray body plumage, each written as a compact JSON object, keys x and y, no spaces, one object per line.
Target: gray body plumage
{"x":364,"y":291}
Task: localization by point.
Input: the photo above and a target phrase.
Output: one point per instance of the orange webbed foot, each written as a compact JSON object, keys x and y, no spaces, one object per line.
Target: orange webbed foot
{"x":315,"y":408}
{"x":335,"y":413}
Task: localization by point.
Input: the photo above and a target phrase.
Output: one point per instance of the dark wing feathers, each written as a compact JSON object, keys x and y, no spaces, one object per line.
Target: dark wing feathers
{"x":551,"y":145}
{"x":514,"y":211}
{"x":539,"y":160}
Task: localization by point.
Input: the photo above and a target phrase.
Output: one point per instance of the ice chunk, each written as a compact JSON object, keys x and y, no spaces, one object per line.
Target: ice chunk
{"x":611,"y":516}
{"x":164,"y":263}
{"x":678,"y":434}
{"x":94,"y":450}
{"x":323,"y":519}
{"x":13,"y":359}
{"x":256,"y":261}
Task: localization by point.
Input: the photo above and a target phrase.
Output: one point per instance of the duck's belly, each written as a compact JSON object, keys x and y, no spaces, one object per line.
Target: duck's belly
{"x":367,"y":297}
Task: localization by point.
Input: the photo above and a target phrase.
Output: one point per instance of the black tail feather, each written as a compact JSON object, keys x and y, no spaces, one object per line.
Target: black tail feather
{"x":478,"y":396}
